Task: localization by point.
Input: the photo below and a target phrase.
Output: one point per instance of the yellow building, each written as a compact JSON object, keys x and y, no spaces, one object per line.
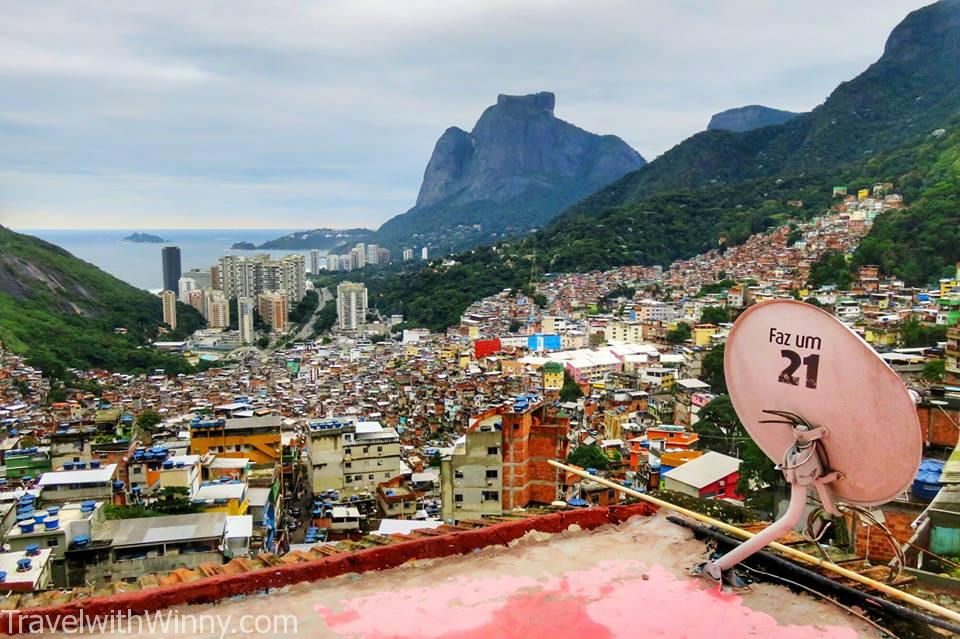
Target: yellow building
{"x":863,"y":194}
{"x":255,"y":438}
{"x":449,"y":352}
{"x":229,"y":497}
{"x":553,"y":376}
{"x":884,"y":336}
{"x":703,"y":332}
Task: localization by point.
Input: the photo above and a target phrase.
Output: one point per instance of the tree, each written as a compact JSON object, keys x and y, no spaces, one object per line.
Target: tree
{"x":831,"y":268}
{"x":174,"y":500}
{"x":148,"y":418}
{"x":714,"y":315}
{"x":263,"y":342}
{"x":794,"y":236}
{"x":515,"y":325}
{"x":916,"y":334}
{"x":721,"y":430}
{"x":589,"y":457}
{"x":680,"y":334}
{"x":435,"y":459}
{"x":570,"y":391}
{"x":712,"y":370}
{"x":934,"y":370}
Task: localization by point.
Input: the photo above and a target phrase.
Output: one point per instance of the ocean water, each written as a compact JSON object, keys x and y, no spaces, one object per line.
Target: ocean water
{"x":140,"y":264}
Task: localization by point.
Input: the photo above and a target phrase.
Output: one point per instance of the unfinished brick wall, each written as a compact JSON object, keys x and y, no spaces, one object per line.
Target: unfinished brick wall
{"x":937,"y":427}
{"x":528,"y":444}
{"x":873,"y":544}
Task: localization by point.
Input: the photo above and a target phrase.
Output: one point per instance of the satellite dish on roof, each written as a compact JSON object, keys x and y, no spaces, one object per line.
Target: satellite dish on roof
{"x":822,"y":405}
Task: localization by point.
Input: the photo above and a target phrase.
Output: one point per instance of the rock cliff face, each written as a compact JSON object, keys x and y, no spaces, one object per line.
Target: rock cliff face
{"x":517,"y":168}
{"x":748,"y":118}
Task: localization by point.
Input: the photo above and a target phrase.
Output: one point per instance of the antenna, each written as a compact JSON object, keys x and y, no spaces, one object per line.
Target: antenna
{"x":822,"y":405}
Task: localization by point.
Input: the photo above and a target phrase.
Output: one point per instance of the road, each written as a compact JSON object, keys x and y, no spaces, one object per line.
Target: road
{"x":307,"y":330}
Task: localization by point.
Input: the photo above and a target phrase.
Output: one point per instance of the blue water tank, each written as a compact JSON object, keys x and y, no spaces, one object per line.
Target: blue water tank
{"x":926,"y":483}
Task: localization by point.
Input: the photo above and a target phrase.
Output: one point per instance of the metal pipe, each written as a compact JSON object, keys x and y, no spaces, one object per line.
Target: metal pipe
{"x":787,"y":550}
{"x":818,"y":579}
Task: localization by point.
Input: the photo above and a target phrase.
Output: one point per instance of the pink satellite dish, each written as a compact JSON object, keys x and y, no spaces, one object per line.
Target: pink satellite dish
{"x":822,"y":405}
{"x":791,"y":356}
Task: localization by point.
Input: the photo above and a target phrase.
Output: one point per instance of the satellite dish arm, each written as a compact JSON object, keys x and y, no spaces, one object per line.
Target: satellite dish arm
{"x":803,"y":467}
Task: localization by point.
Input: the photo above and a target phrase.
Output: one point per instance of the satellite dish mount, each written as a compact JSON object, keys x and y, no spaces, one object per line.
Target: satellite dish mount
{"x":804,"y":466}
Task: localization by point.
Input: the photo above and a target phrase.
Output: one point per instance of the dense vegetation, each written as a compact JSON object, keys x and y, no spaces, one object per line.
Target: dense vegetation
{"x":921,"y":243}
{"x":62,"y":312}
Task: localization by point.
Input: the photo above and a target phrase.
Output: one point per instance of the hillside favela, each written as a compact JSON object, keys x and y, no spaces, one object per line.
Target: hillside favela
{"x":439,"y":320}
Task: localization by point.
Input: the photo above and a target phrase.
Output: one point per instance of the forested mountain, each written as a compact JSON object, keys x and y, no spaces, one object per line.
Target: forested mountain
{"x":748,"y":118}
{"x":61,"y":312}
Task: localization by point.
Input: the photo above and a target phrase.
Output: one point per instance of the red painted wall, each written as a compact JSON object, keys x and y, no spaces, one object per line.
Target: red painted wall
{"x":729,"y":488}
{"x":485,"y":347}
{"x":213,"y":589}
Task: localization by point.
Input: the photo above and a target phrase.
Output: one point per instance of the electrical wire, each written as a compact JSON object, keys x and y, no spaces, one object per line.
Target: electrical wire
{"x":821,"y":595}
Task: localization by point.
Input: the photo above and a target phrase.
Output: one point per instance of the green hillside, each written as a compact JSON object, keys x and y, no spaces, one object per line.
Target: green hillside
{"x":911,"y":90}
{"x":61,"y":312}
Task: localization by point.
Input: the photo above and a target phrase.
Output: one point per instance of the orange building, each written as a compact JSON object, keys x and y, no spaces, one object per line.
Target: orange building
{"x":255,"y":438}
{"x":672,"y":436}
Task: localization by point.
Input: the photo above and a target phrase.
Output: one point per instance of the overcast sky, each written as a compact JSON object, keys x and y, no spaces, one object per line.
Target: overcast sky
{"x":289,"y":114}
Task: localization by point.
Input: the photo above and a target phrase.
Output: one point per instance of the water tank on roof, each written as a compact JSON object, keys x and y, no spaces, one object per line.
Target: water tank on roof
{"x":926,"y":483}
{"x":24,"y":565}
{"x":94,"y":464}
{"x":32,"y":550}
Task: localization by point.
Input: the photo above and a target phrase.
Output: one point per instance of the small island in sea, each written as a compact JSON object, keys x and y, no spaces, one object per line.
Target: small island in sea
{"x":143,"y":238}
{"x":244,"y":246}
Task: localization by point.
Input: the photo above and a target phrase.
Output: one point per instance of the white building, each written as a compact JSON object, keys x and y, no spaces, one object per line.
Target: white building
{"x":344,"y":453}
{"x":351,"y":307}
{"x":407,"y":254}
{"x":249,"y":276}
{"x":185,"y":284}
{"x":245,"y":308}
{"x":314,"y":261}
{"x":424,"y":253}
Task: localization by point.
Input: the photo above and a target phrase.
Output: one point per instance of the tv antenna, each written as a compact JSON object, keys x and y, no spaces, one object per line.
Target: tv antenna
{"x":822,"y":405}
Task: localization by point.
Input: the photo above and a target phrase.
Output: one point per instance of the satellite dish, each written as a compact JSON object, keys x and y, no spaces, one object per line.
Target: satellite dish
{"x":822,"y":405}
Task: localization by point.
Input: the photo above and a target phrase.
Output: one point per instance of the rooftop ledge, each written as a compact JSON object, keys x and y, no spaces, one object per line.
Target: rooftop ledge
{"x":611,"y":572}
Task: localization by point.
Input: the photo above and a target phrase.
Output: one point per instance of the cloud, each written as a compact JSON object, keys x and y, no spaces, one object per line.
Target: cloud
{"x":294,"y":113}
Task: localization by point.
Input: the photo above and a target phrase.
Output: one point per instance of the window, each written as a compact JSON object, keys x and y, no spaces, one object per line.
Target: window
{"x":237,"y":448}
{"x":348,"y":479}
{"x":379,"y":449}
{"x":366,"y":449}
{"x":490,"y":495}
{"x":53,"y":542}
{"x":370,"y":476}
{"x":458,"y":474}
{"x":493,"y":450}
{"x":492,"y":473}
{"x":346,"y":465}
{"x":458,"y":498}
{"x":358,"y":478}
